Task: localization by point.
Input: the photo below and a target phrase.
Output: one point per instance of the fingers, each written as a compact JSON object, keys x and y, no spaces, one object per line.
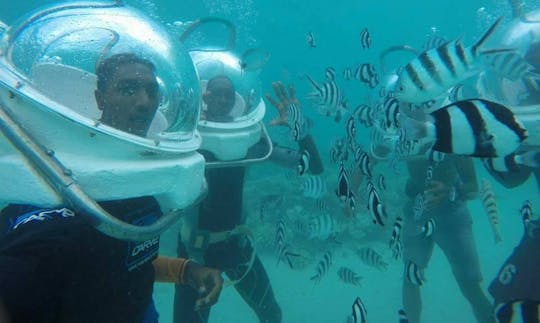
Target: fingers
{"x":280,"y":92}
{"x":272,"y":101}
{"x":292,"y":94}
{"x":214,"y":283}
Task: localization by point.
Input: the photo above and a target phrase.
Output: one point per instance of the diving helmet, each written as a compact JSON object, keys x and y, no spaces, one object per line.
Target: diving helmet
{"x":66,"y":72}
{"x":232,"y":110}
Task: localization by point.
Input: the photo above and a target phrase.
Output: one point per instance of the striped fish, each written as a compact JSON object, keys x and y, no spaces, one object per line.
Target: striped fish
{"x":329,"y":98}
{"x":403,"y":317}
{"x":371,"y":258}
{"x":367,"y":74}
{"x":490,"y":207}
{"x":381,"y":182}
{"x":438,"y":69}
{"x":364,"y":113}
{"x":322,"y":227}
{"x":281,"y":248}
{"x":296,"y":121}
{"x":391,"y":113}
{"x":303,"y":163}
{"x":359,"y":311}
{"x":339,"y":151}
{"x":314,"y":187}
{"x":375,"y":205}
{"x":512,"y":162}
{"x":347,"y":74}
{"x":344,"y":191}
{"x":519,"y":311}
{"x":526,"y":212}
{"x":365,"y":38}
{"x":310,"y":39}
{"x":351,"y":131}
{"x":363,"y":162}
{"x":395,"y":240}
{"x":477,"y":128}
{"x":434,"y":41}
{"x":414,"y":274}
{"x":418,"y":206}
{"x":429,"y":228}
{"x":348,"y":276}
{"x":330,"y":74}
{"x":322,"y":267}
{"x":510,"y":65}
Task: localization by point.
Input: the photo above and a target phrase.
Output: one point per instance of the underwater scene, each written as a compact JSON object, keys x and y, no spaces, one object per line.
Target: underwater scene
{"x":403,"y":168}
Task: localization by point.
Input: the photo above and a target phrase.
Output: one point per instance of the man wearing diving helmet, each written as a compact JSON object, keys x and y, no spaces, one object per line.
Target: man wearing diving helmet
{"x":56,"y":267}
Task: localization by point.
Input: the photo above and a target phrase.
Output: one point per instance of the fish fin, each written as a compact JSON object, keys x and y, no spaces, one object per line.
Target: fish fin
{"x":529,"y":158}
{"x":486,"y":36}
{"x":416,"y":129}
{"x":314,"y":84}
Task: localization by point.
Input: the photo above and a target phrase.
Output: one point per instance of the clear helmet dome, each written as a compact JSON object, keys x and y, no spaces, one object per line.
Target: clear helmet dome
{"x":72,"y":40}
{"x":232,"y":107}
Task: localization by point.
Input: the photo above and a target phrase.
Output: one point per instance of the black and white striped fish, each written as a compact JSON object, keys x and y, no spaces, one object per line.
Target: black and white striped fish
{"x":314,"y":186}
{"x":418,"y":206}
{"x":296,"y":122}
{"x":438,"y":69}
{"x":395,"y":240}
{"x":381,"y":182}
{"x":429,"y":228}
{"x":330,"y":74}
{"x":351,"y":131}
{"x":348,"y":276}
{"x":403,"y":317}
{"x":359,"y":311}
{"x":303,"y":163}
{"x":281,"y":248}
{"x":518,"y":311}
{"x":322,"y":206}
{"x":329,"y":99}
{"x":344,"y":191}
{"x":391,"y":113}
{"x":414,"y":274}
{"x":363,"y":161}
{"x":429,"y":173}
{"x":322,"y":267}
{"x":371,"y":258}
{"x":512,"y":162}
{"x":364,"y":113}
{"x":348,"y":74}
{"x":322,"y":227}
{"x":311,"y":40}
{"x":490,"y":207}
{"x":476,"y":128}
{"x":365,"y":38}
{"x":375,"y":205}
{"x":510,"y":65}
{"x":339,"y":151}
{"x":434,"y":41}
{"x":367,"y":74}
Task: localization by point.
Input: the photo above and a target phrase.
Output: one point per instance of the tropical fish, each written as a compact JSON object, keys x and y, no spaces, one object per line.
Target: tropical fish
{"x":414,"y":274}
{"x":330,"y":100}
{"x":322,"y":267}
{"x":303,"y":163}
{"x":347,"y":73}
{"x":490,"y":207}
{"x":436,"y":70}
{"x":359,"y":311}
{"x":477,"y":128}
{"x":322,"y":227}
{"x":314,"y":186}
{"x":512,"y":162}
{"x":311,"y":40}
{"x":254,"y":59}
{"x":395,"y":240}
{"x":403,"y":317}
{"x":429,"y":228}
{"x":375,"y":205}
{"x":367,"y":74}
{"x":371,"y":258}
{"x":365,"y":38}
{"x":330,"y":74}
{"x":348,"y":276}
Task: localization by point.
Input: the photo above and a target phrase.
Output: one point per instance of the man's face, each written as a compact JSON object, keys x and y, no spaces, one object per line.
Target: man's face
{"x":130,"y":99}
{"x":219,"y":99}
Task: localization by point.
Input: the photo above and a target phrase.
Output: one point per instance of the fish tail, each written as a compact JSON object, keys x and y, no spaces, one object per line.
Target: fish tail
{"x":486,"y":36}
{"x":529,"y":158}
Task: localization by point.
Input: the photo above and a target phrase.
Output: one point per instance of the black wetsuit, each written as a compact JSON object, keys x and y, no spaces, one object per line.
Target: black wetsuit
{"x":221,"y":211}
{"x":55,"y":267}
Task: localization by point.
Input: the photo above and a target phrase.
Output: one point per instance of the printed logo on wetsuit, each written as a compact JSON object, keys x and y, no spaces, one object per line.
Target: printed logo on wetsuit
{"x":41,"y":215}
{"x":507,"y":274}
{"x":141,"y":252}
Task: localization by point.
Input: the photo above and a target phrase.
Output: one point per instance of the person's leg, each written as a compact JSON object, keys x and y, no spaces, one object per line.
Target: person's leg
{"x":418,"y":250}
{"x":456,"y":239}
{"x":185,"y":297}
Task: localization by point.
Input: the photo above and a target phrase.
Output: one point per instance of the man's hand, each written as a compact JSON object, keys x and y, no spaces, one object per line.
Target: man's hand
{"x":206,"y":281}
{"x":282,"y":102}
{"x":436,"y":193}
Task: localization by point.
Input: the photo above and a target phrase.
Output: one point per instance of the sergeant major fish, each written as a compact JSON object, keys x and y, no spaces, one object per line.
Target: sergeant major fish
{"x":371,"y":258}
{"x":348,"y":276}
{"x":322,"y":267}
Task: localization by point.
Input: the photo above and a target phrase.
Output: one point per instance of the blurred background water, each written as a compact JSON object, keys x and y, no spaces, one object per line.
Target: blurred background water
{"x":280,"y":27}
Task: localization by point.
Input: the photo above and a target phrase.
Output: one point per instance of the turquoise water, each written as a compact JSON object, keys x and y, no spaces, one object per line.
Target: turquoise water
{"x":280,"y":27}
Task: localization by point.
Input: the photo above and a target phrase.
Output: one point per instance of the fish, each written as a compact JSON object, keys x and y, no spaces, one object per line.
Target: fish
{"x":490,"y":207}
{"x":375,"y":205}
{"x":347,"y":74}
{"x":311,"y":40}
{"x":513,"y":161}
{"x":281,"y":248}
{"x":322,"y":267}
{"x":418,"y":206}
{"x":429,"y":228}
{"x":314,"y":186}
{"x":348,"y":276}
{"x":371,"y":258}
{"x":403,"y":316}
{"x":253,"y":59}
{"x":330,"y":99}
{"x":339,"y":151}
{"x":343,"y":191}
{"x":525,"y":311}
{"x":429,"y":173}
{"x":322,"y":227}
{"x":526,"y":212}
{"x":296,"y":122}
{"x":395,"y":240}
{"x":414,"y":274}
{"x":351,"y":131}
{"x":510,"y":65}
{"x":391,"y":113}
{"x":283,"y":252}
{"x":436,"y":70}
{"x":303,"y":163}
{"x":367,"y":74}
{"x":365,"y":38}
{"x":364,"y":114}
{"x":363,"y":162}
{"x":477,"y":128}
{"x":359,"y":311}
{"x":330,"y":74}
{"x":381,"y":182}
